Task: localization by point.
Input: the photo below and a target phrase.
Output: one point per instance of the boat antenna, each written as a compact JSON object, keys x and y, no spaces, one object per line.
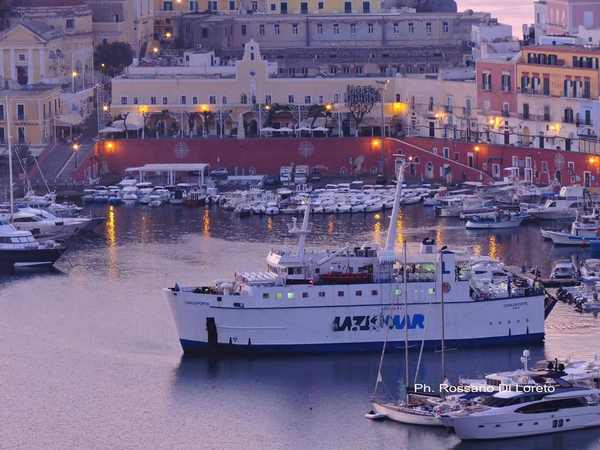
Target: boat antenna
{"x":391,"y":234}
{"x":10,"y":167}
{"x":303,"y":231}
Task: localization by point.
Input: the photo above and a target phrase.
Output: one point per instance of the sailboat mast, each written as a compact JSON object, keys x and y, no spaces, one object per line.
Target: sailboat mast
{"x":405,"y":321}
{"x":391,"y":235}
{"x":10,"y":167}
{"x":304,"y":230}
{"x":443,"y":319}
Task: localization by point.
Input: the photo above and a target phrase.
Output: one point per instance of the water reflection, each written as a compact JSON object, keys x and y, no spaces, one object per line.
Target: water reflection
{"x":206,"y":222}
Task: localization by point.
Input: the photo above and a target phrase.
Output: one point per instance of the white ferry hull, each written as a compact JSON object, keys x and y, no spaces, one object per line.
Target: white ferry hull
{"x":206,"y":325}
{"x":565,"y":238}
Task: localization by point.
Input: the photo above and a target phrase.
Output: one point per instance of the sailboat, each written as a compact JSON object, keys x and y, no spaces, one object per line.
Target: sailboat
{"x":414,"y":408}
{"x":20,"y":248}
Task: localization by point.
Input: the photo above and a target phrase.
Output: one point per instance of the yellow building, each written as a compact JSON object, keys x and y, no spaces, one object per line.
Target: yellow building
{"x":33,"y":116}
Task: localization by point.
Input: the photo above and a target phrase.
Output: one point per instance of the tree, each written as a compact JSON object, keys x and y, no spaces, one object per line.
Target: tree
{"x":360,"y":101}
{"x":113,"y":57}
{"x":316,"y":111}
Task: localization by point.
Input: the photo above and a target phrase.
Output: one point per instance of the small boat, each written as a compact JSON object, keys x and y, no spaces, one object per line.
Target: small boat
{"x":495,"y":221}
{"x":21,"y":249}
{"x":154,"y":200}
{"x":580,"y":234}
{"x":590,"y":270}
{"x":563,"y":269}
{"x":419,"y":412}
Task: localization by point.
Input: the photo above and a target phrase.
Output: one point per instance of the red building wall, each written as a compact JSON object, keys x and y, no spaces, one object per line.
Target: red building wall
{"x":437,"y":159}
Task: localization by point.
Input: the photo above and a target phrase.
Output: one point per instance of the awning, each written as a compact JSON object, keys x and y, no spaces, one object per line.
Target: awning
{"x":69,"y":119}
{"x":111,"y":130}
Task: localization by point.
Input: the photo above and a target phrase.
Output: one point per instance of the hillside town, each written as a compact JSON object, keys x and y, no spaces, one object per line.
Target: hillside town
{"x":78,"y":76}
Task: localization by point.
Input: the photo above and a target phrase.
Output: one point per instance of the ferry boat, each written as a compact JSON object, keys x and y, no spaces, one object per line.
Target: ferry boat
{"x":351,"y":300}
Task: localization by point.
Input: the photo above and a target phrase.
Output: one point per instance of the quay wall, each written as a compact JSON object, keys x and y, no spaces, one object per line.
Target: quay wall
{"x":436,"y":160}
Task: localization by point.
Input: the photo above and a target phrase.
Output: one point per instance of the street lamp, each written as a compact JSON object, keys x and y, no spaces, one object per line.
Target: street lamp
{"x":155,"y":50}
{"x":105,"y":108}
{"x":74,"y":75}
{"x":168,"y":35}
{"x":76,"y":151}
{"x":477,"y":149}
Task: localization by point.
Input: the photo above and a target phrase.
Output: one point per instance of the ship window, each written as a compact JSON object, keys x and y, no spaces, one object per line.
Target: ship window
{"x":321,"y":294}
{"x":374,"y":292}
{"x":359,"y":293}
{"x":305,"y":295}
{"x":291,"y":296}
{"x":431,"y":291}
{"x":340,"y":293}
{"x":397,"y":291}
{"x":278,"y":295}
{"x":265,"y":295}
{"x":552,"y":405}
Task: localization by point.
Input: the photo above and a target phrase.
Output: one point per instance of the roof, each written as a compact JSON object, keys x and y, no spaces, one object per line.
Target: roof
{"x":563,"y":49}
{"x":46,"y":3}
{"x":171,"y":167}
{"x":37,"y":27}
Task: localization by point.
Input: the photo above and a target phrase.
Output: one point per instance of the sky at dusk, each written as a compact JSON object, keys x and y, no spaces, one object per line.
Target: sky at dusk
{"x":512,"y":12}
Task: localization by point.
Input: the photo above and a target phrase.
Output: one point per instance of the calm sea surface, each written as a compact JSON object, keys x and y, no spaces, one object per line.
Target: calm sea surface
{"x":89,"y":356}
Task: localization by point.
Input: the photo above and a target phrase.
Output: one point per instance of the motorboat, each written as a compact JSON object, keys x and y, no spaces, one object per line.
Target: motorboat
{"x":271,"y":209}
{"x":155,"y":200}
{"x":43,"y":224}
{"x":580,"y":234}
{"x":565,"y":206}
{"x":555,"y":407}
{"x":563,"y":269}
{"x":21,"y":249}
{"x":590,"y":270}
{"x":496,"y":220}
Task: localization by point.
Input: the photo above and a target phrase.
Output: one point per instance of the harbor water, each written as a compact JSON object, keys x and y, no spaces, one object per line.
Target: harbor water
{"x":89,"y":354}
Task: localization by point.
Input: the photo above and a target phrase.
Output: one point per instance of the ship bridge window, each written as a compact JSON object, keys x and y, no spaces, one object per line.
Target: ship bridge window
{"x":321,"y":294}
{"x":278,"y":295}
{"x":374,"y":292}
{"x":265,"y":295}
{"x":553,"y":405}
{"x":291,"y":296}
{"x":305,"y":295}
{"x":359,"y":293}
{"x":340,"y":293}
{"x":419,"y":272}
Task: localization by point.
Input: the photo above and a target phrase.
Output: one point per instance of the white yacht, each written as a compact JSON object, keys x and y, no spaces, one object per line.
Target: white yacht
{"x":495,"y":220}
{"x":516,"y":413}
{"x":590,"y":270}
{"x":348,"y":300}
{"x":565,"y":206}
{"x":20,"y":248}
{"x":43,"y":224}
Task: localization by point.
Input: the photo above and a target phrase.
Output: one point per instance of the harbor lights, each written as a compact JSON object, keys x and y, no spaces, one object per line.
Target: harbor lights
{"x":594,"y":161}
{"x":74,"y":75}
{"x":155,"y":50}
{"x":109,"y":147}
{"x":477,"y":149}
{"x":168,"y":35}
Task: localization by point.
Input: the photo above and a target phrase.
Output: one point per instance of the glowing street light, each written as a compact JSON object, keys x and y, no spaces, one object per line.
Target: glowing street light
{"x":155,"y":50}
{"x":168,"y":35}
{"x":105,"y":108}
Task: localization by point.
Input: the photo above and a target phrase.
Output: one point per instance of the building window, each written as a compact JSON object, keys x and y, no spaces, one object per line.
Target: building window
{"x":268,"y":99}
{"x":320,"y":28}
{"x":276,"y":28}
{"x":446,"y":27}
{"x":183,"y":100}
{"x":2,"y":111}
{"x":307,"y":100}
{"x":428,"y":27}
{"x":123,"y":100}
{"x":486,"y":81}
{"x":291,"y":99}
{"x":261,"y":29}
{"x":224,"y":100}
{"x":506,"y":82}
{"x":370,"y":27}
{"x":21,"y":135}
{"x":348,"y":7}
{"x":231,"y":5}
{"x":366,"y":7}
{"x":2,"y":135}
{"x":153,"y":100}
{"x":526,"y":111}
{"x":243,"y":99}
{"x":568,"y":115}
{"x":70,"y":24}
{"x":254,"y":6}
{"x":396,"y":27}
{"x":165,"y":100}
{"x":321,"y":293}
{"x":244,"y":30}
{"x":295,"y":28}
{"x":353,"y":28}
{"x":588,"y":117}
{"x":547,"y":113}
{"x":340,"y":293}
{"x":168,"y":5}
{"x":273,"y":7}
{"x":135,"y":100}
{"x":411,"y":27}
{"x":321,"y":5}
{"x":193,"y":5}
{"x":283,"y":7}
{"x":212,"y":99}
{"x":303,"y":8}
{"x":265,"y":295}
{"x":336,"y":28}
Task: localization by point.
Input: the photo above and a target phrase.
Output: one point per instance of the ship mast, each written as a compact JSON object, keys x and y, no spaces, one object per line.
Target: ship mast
{"x":10,"y":167}
{"x":391,"y":234}
{"x":303,"y":231}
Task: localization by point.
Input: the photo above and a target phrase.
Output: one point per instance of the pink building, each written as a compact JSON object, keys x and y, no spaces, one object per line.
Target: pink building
{"x":565,"y":16}
{"x":496,"y":87}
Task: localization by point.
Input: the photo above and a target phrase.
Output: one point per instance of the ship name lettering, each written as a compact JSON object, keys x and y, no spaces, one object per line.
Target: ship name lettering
{"x":364,"y":323}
